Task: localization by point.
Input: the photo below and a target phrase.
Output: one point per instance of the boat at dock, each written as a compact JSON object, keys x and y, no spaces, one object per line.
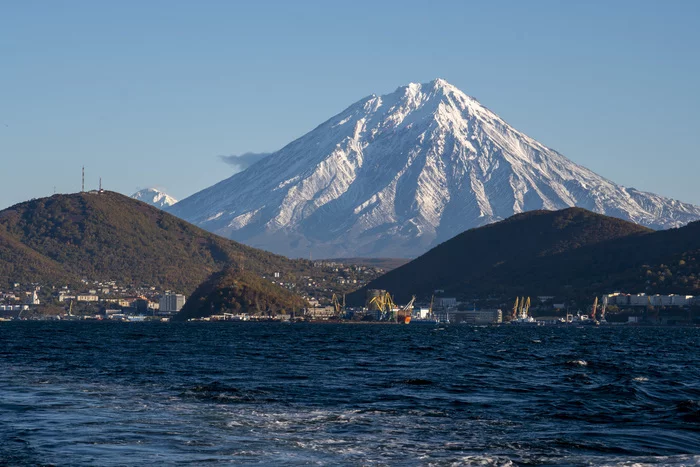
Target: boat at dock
{"x":521,"y":313}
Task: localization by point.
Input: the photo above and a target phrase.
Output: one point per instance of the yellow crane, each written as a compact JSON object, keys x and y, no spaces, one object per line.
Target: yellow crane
{"x":384,"y":304}
{"x":378,"y":301}
{"x":337,"y":306}
{"x":390,"y":303}
{"x":521,"y":308}
{"x":595,"y":308}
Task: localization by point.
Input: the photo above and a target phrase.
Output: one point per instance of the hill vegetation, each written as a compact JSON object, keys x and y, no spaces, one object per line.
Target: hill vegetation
{"x":108,"y":236}
{"x":20,"y":263}
{"x":566,"y":253}
{"x":236,"y":291}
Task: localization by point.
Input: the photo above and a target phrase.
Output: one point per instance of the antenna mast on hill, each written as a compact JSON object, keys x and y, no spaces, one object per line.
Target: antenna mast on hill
{"x":82,"y":187}
{"x":100,"y":184}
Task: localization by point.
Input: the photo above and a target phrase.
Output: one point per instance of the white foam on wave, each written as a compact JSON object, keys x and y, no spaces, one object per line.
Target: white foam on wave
{"x":667,"y":461}
{"x":486,"y":461}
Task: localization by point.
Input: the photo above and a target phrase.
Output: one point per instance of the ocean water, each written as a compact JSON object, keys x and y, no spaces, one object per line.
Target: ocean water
{"x":76,"y":393}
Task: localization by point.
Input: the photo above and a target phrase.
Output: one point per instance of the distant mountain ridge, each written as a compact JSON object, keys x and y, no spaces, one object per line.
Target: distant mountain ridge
{"x":154,"y":197}
{"x":571,"y":252}
{"x":395,"y":175}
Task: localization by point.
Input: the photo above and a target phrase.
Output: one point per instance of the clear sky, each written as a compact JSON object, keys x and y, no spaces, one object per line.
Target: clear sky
{"x":151,"y":93}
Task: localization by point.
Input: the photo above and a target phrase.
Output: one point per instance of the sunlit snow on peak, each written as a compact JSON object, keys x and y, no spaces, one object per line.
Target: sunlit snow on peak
{"x":394,"y":175}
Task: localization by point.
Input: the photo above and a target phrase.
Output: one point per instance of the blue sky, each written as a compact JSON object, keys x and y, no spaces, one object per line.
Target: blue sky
{"x":151,"y":93}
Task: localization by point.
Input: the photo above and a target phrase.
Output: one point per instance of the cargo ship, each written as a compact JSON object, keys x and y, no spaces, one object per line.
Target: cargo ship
{"x":403,"y":316}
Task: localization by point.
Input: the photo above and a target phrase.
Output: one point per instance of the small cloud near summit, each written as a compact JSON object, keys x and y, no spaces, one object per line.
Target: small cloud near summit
{"x":245,"y":160}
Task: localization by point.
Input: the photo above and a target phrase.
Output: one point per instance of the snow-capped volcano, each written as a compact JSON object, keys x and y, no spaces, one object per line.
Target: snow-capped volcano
{"x":394,"y":175}
{"x":154,"y":197}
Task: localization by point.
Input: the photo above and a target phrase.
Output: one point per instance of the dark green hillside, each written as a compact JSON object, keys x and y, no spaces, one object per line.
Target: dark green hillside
{"x":662,"y":262}
{"x":235,"y":291}
{"x":19,"y":263}
{"x":108,"y":236}
{"x":523,"y":254}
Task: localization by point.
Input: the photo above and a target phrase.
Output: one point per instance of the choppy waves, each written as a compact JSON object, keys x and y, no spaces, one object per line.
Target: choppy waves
{"x":127,"y":394}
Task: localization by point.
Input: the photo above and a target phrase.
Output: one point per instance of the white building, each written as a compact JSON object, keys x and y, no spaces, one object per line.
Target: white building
{"x":445,"y":302}
{"x":682,"y":300}
{"x":87,"y":298}
{"x":34,"y":299}
{"x":172,"y":303}
{"x":639,"y":300}
{"x":14,"y":307}
{"x":479,"y":316}
{"x":421,"y":313}
{"x":324,"y":312}
{"x":486,"y":316}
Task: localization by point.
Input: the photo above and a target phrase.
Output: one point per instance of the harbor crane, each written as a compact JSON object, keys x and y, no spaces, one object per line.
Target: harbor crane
{"x":521,"y":309}
{"x":385,"y":305}
{"x":337,"y":307}
{"x":594,"y":309}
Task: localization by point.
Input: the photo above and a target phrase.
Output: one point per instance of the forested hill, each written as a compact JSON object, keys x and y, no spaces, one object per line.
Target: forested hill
{"x":19,"y":263}
{"x":567,"y":252}
{"x":236,"y":291}
{"x":108,"y":236}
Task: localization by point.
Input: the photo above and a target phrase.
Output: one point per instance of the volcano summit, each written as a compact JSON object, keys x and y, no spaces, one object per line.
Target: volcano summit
{"x":395,"y":175}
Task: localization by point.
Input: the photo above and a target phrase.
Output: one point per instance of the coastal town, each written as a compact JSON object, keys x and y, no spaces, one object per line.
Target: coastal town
{"x":109,"y":300}
{"x":92,"y":300}
{"x":98,"y":300}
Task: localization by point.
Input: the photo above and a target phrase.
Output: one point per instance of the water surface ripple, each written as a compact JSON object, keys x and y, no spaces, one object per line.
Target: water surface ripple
{"x":270,"y":394}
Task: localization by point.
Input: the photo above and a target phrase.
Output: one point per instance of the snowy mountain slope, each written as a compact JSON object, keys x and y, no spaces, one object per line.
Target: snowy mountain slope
{"x":394,"y":175}
{"x":154,"y":197}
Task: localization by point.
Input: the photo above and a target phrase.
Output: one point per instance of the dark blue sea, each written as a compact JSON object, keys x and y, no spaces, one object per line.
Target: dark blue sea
{"x":76,"y":393}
